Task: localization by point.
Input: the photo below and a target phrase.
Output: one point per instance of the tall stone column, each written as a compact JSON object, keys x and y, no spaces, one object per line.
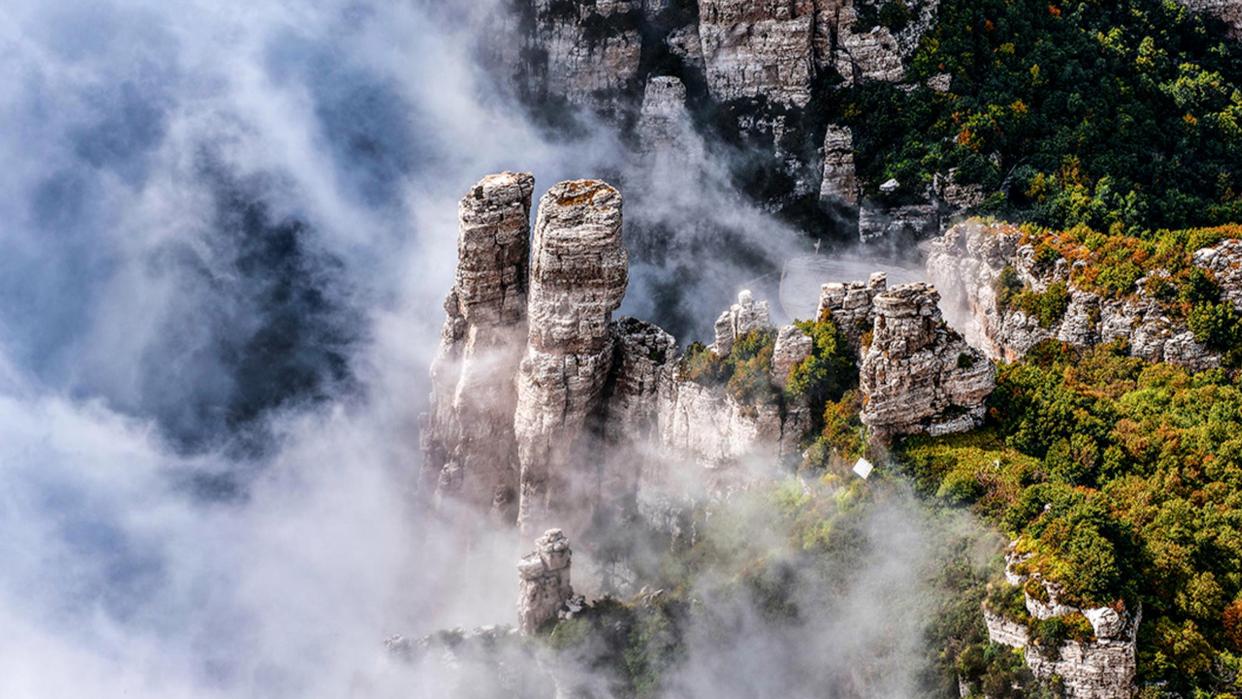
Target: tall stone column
{"x":468,"y":443}
{"x":579,"y":271}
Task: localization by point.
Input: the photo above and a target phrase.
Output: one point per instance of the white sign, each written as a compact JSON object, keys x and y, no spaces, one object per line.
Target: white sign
{"x":863,"y":468}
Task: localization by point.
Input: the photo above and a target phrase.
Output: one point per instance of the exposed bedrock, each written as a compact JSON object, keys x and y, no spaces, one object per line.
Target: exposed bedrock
{"x":1102,"y":667}
{"x":468,"y":432}
{"x":544,"y":586}
{"x":967,"y":262}
{"x":578,"y":277}
{"x":547,"y":412}
{"x":919,"y":376}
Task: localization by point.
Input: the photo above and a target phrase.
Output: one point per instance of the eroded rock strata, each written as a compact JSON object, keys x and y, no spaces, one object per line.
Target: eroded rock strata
{"x":918,"y":376}
{"x":1099,"y":667}
{"x":578,"y":276}
{"x":598,"y":411}
{"x":967,"y":264}
{"x":467,"y":436}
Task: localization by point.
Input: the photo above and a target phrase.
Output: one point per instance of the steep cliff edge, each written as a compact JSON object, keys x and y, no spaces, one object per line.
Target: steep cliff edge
{"x":1010,"y":293}
{"x":919,"y":376}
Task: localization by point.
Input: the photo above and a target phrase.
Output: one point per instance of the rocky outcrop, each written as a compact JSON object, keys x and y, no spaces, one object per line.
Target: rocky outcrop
{"x":467,"y":434}
{"x":1102,"y":667}
{"x":877,"y":222}
{"x":544,"y":586}
{"x":918,"y":376}
{"x":1228,"y":12}
{"x":851,"y":305}
{"x":839,"y":186}
{"x":598,"y":411}
{"x":758,"y":48}
{"x":967,"y":262}
{"x":868,"y":50}
{"x":745,"y":316}
{"x":663,"y":121}
{"x":578,"y":277}
{"x":1224,"y":261}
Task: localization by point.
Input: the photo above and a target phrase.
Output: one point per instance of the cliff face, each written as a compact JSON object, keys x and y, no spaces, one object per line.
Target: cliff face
{"x":578,"y":277}
{"x":967,"y":262}
{"x":756,"y":75}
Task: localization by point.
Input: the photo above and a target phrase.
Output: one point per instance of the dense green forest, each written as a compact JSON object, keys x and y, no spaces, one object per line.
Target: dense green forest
{"x":1124,"y":479}
{"x":1125,"y":116}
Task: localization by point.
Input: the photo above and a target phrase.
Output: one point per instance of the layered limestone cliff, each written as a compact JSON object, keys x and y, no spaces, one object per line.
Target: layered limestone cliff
{"x":918,"y":376}
{"x":758,"y":48}
{"x":967,"y":263}
{"x":586,"y":53}
{"x":1101,"y":667}
{"x":755,"y":74}
{"x":578,"y":276}
{"x":468,"y":433}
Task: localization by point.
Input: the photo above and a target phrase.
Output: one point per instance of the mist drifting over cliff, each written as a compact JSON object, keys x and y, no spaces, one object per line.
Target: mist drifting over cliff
{"x":227,"y":232}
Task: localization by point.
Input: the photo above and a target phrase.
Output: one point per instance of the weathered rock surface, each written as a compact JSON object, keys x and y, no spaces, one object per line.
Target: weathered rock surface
{"x":664,"y":122}
{"x":544,"y":581}
{"x":909,"y":222}
{"x":758,"y":48}
{"x":578,"y":276}
{"x":1227,"y":11}
{"x":468,"y":432}
{"x":851,"y":305}
{"x":1224,"y":261}
{"x":840,"y":184}
{"x":918,"y":375}
{"x":584,"y":52}
{"x":966,"y":264}
{"x":875,"y":53}
{"x":1101,"y":668}
{"x":745,"y":316}
{"x":597,"y":411}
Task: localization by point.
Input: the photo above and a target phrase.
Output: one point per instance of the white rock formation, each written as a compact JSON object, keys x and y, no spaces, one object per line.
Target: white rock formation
{"x":663,"y":122}
{"x":840,"y":184}
{"x":745,"y":316}
{"x":587,"y":53}
{"x":578,"y":277}
{"x":544,"y":585}
{"x":918,"y":375}
{"x":758,"y":48}
{"x":851,"y":306}
{"x":467,"y":434}
{"x":1101,"y":668}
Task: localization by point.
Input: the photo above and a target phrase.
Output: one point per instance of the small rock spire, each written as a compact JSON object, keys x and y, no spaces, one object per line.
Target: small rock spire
{"x":544,"y":581}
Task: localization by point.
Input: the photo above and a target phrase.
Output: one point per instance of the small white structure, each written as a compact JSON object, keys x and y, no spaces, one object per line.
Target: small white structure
{"x":863,"y":468}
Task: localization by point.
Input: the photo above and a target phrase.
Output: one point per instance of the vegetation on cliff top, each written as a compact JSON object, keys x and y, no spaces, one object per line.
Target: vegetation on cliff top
{"x":1124,"y":480}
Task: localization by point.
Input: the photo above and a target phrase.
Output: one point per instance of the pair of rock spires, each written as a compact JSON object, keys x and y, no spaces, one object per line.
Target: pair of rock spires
{"x":541,"y":315}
